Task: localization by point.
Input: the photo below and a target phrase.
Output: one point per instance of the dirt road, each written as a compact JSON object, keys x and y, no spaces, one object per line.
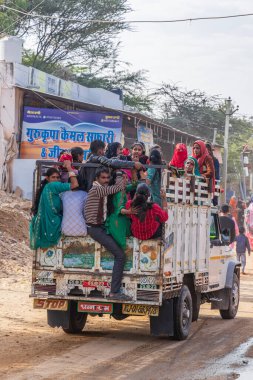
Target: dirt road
{"x":29,"y":349}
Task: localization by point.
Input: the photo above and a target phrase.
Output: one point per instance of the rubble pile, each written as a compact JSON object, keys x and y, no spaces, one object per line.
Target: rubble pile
{"x":15,"y":254}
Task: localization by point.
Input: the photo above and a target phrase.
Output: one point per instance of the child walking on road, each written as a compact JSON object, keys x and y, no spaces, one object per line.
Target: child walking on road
{"x":242,"y":243}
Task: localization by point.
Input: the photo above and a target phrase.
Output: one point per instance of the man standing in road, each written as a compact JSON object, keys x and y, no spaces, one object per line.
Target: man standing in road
{"x":242,"y":244}
{"x":95,"y":216}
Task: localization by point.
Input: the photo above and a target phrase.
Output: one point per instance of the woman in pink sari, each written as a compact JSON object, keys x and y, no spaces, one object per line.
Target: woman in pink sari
{"x":249,"y":223}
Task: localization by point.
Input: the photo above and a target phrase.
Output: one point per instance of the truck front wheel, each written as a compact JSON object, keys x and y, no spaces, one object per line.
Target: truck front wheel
{"x":76,"y":320}
{"x":182,"y":314}
{"x":234,"y":296}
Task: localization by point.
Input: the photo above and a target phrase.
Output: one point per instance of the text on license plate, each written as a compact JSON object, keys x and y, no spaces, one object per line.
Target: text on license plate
{"x":50,"y":304}
{"x":140,"y":309}
{"x":94,"y":308}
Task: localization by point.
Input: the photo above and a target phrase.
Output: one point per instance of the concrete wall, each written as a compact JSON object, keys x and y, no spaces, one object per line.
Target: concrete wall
{"x":36,"y":80}
{"x":23,"y":176}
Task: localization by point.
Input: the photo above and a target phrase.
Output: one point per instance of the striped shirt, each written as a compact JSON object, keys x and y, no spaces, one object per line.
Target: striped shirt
{"x":94,"y":209}
{"x":146,"y":229}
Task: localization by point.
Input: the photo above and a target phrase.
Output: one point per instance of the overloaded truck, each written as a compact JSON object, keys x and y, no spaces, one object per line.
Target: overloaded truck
{"x":168,"y":278}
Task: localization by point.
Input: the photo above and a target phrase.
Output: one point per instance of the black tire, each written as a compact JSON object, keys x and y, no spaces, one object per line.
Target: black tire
{"x":182,"y":314}
{"x":76,"y":320}
{"x":234,"y":297}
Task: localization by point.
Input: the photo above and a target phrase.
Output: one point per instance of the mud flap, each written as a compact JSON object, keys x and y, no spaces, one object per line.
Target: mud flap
{"x":222,"y":302}
{"x":163,"y":325}
{"x":56,"y":318}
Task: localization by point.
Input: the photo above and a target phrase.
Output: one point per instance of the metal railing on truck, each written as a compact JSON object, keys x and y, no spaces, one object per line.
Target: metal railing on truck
{"x":193,"y":190}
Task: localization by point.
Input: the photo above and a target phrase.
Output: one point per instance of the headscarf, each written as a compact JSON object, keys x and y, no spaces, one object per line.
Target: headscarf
{"x":203,"y":153}
{"x":65,"y":157}
{"x":179,"y":156}
{"x":125,"y":152}
{"x":233,"y":202}
{"x":196,"y":171}
{"x":233,"y":206}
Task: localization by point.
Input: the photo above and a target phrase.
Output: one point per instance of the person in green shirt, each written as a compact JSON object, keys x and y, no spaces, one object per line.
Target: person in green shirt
{"x":117,"y":222}
{"x":154,"y":176}
{"x":45,"y":226}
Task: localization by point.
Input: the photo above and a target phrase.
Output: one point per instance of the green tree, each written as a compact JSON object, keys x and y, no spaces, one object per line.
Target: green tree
{"x":132,"y":84}
{"x":10,"y":22}
{"x":192,"y":111}
{"x":240,"y":134}
{"x":80,"y":51}
{"x":61,"y":31}
{"x":197,"y":113}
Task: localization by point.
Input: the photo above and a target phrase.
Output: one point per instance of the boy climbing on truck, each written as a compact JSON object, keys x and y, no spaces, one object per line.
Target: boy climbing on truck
{"x":95,"y":215}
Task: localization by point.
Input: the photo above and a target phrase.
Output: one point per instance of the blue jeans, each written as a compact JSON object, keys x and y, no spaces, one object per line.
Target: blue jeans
{"x":242,"y":258}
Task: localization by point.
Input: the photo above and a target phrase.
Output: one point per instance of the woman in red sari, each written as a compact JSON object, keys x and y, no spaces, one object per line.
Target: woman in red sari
{"x":205,"y":161}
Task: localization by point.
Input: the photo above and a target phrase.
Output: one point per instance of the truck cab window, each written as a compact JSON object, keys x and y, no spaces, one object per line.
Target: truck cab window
{"x":214,"y":230}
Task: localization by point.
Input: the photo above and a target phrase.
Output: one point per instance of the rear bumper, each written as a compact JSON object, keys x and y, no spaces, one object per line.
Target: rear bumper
{"x":92,"y":299}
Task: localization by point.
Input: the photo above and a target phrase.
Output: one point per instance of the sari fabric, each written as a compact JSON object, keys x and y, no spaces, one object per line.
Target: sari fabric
{"x":45,"y":227}
{"x":117,"y":224}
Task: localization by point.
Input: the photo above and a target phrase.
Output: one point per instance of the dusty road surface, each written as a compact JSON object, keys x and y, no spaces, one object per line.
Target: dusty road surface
{"x":29,"y":349}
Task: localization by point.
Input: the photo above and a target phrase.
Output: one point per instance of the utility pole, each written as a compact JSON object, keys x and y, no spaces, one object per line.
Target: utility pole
{"x":228,"y":112}
{"x":214,"y":135}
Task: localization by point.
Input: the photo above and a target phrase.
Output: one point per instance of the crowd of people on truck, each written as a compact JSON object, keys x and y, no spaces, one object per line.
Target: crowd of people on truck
{"x":119,"y":198}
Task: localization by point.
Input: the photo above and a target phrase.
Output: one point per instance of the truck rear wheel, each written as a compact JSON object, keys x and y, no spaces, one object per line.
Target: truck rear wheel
{"x":76,"y":320}
{"x":182,"y":314}
{"x":234,"y":296}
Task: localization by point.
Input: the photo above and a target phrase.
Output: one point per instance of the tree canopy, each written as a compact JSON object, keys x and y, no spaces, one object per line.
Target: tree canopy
{"x":61,"y":31}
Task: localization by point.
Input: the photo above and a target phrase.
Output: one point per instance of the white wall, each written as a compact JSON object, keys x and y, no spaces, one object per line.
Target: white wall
{"x":37,"y":80}
{"x":23,"y":176}
{"x":7,"y":110}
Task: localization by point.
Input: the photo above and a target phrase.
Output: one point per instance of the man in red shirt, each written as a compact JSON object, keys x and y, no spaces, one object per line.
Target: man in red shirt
{"x":148,"y":217}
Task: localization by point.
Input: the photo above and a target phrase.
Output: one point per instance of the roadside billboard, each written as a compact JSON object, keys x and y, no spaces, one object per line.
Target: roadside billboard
{"x":46,"y":132}
{"x":145,"y":135}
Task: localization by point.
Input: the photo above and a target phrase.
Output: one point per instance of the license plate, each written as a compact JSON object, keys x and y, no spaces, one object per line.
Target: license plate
{"x":140,"y":310}
{"x":50,"y":304}
{"x":74,"y":282}
{"x":95,"y":308}
{"x":96,"y":284}
{"x":147,"y":286}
